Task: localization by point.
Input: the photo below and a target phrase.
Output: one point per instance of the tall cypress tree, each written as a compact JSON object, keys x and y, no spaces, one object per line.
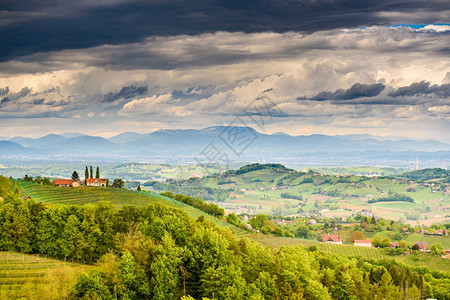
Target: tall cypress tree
{"x":97,"y":173}
{"x":86,"y":174}
{"x":90,"y":168}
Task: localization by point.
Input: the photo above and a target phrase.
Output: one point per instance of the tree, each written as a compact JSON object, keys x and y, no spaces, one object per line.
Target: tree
{"x":376,"y":241}
{"x":258,"y":221}
{"x":139,"y":188}
{"x":75,"y":176}
{"x":402,"y":244}
{"x":373,"y":221}
{"x":436,"y":248}
{"x":118,"y":183}
{"x":86,"y":174}
{"x":90,"y":169}
{"x":97,"y":173}
{"x":233,"y":219}
{"x":91,"y":286}
{"x":356,"y":235}
{"x":385,"y":242}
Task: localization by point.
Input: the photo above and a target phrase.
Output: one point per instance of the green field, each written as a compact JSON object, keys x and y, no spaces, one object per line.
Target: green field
{"x":415,"y":237}
{"x":18,"y":271}
{"x":267,"y":191}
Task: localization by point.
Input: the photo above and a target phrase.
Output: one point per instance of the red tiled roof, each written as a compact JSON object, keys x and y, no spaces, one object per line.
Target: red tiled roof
{"x":362,"y":241}
{"x":331,"y":238}
{"x":92,"y":180}
{"x":64,"y":181}
{"x":422,"y":245}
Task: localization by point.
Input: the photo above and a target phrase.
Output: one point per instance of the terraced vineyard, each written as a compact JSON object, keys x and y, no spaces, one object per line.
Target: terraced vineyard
{"x":18,"y":270}
{"x":117,"y":197}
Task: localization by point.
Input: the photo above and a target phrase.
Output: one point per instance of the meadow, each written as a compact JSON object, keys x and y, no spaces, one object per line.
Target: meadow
{"x":267,"y":191}
{"x":25,"y":276}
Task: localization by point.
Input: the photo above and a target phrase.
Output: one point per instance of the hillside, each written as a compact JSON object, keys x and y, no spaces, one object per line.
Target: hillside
{"x":282,"y":191}
{"x":427,"y":174}
{"x":117,"y":197}
{"x":25,"y":276}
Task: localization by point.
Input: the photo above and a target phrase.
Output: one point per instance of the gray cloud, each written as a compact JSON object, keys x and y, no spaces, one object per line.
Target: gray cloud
{"x":52,"y":25}
{"x":4,"y":91}
{"x":422,"y":88}
{"x":127,"y":92}
{"x":14,"y":96}
{"x":357,"y":90}
{"x":221,"y":48}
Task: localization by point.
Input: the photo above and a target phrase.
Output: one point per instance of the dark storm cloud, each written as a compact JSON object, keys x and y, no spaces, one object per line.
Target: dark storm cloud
{"x":39,"y":101}
{"x":127,"y":92}
{"x":358,"y":90}
{"x":28,"y":27}
{"x":4,"y":91}
{"x":14,"y":96}
{"x":422,"y":88}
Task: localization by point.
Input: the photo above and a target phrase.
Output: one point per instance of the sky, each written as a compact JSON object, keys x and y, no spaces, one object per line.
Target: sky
{"x":102,"y":67}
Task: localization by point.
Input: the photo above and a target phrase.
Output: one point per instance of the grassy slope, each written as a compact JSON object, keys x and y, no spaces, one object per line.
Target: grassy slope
{"x":117,"y":197}
{"x":20,"y":272}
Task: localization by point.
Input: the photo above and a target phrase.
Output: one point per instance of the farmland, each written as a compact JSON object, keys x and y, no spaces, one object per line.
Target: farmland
{"x":280,"y":191}
{"x":24,"y":275}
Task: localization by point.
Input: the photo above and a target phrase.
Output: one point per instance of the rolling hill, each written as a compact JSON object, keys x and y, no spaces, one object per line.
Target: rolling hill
{"x":117,"y":197}
{"x":275,"y":189}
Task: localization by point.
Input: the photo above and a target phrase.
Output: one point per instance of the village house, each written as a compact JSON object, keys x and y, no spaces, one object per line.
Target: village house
{"x":311,"y":222}
{"x":422,"y":245}
{"x":362,"y":243}
{"x":96,"y":181}
{"x":332,"y":239}
{"x":68,"y":182}
{"x":393,"y":245}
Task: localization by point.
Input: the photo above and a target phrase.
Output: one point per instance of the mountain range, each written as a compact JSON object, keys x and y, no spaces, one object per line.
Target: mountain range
{"x":236,"y":143}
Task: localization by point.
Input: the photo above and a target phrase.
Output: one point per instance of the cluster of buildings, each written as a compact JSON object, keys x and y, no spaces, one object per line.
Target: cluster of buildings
{"x":334,"y":239}
{"x":100,"y":182}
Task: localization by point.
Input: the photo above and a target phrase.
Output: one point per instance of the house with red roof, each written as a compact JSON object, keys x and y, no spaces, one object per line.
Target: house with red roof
{"x":394,"y":245}
{"x":67,"y":182}
{"x":96,"y":181}
{"x":362,"y":243}
{"x":422,"y":245}
{"x":332,"y":239}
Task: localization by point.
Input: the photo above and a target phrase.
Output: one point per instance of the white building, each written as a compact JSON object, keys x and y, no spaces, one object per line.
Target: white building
{"x":362,"y":243}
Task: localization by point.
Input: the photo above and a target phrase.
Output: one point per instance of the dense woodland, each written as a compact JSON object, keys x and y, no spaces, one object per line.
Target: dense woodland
{"x":156,"y":252}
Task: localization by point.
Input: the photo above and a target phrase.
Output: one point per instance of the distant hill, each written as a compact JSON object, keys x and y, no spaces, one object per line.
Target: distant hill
{"x":240,"y":144}
{"x":427,"y":174}
{"x":275,"y":189}
{"x":125,"y":137}
{"x":11,"y":148}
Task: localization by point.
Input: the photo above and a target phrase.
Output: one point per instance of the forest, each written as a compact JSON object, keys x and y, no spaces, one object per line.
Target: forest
{"x":156,"y":252}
